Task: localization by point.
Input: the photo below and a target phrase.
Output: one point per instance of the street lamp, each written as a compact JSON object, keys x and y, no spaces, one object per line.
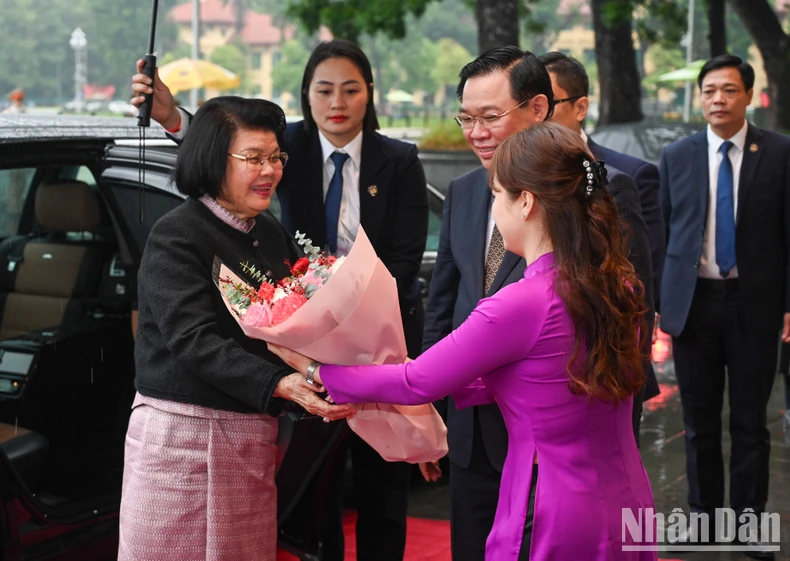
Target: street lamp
{"x":78,"y":42}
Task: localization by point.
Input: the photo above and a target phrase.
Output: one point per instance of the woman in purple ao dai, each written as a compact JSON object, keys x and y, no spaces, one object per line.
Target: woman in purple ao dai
{"x":558,"y":352}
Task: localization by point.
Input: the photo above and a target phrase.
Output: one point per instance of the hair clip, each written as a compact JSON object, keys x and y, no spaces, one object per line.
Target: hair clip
{"x":588,"y":169}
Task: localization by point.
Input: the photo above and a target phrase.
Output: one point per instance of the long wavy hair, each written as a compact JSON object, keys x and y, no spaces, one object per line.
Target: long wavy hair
{"x":594,"y":279}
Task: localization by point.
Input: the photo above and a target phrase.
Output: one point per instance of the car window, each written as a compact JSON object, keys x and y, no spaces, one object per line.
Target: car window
{"x":157,"y":203}
{"x":435,"y":204}
{"x":14,"y":187}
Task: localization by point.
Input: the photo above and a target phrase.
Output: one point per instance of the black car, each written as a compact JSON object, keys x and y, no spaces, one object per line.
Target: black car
{"x":76,"y":206}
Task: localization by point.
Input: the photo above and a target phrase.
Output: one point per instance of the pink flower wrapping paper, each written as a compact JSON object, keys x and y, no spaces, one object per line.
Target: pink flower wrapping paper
{"x":355,"y":319}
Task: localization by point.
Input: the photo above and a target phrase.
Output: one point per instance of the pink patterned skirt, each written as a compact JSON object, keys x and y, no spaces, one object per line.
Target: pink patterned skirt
{"x":198,"y":484}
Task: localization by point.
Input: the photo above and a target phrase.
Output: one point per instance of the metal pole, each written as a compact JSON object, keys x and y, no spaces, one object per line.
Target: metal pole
{"x":689,"y":53}
{"x":193,"y":94}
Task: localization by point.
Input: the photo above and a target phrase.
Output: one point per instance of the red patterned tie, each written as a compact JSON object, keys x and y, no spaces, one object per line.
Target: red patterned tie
{"x":496,"y":252}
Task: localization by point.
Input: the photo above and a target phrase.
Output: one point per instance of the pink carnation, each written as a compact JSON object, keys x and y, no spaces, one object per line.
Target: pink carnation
{"x":285,"y":307}
{"x":257,"y":315}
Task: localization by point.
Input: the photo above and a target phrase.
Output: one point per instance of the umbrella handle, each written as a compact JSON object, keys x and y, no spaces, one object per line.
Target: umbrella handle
{"x":149,"y":69}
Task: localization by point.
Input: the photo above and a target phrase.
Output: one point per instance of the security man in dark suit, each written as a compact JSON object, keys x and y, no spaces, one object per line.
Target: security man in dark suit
{"x":725,"y":195}
{"x":503,"y":91}
{"x":571,"y":86}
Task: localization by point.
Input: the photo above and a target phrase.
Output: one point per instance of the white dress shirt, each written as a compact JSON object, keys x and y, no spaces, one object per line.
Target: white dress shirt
{"x":348,"y":221}
{"x":708,"y":268}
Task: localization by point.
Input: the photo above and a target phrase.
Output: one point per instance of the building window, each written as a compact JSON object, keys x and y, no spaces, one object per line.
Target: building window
{"x":256,"y":61}
{"x":276,"y":57}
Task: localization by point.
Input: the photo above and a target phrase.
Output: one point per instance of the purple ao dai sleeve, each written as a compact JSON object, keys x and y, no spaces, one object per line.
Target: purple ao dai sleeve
{"x":502,"y":329}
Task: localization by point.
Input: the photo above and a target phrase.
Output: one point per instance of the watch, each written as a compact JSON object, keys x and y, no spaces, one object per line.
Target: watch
{"x":311,"y":371}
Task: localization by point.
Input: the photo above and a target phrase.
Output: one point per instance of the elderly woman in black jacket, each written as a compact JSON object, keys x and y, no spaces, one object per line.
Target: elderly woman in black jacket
{"x":200,"y":453}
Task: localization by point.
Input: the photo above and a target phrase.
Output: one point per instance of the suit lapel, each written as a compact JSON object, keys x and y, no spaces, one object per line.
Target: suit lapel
{"x":700,"y":173}
{"x":478,"y":228}
{"x":751,"y":158}
{"x":313,"y":189}
{"x":375,"y":177}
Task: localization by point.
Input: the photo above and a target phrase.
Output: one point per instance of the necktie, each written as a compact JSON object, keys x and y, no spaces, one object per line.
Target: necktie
{"x":333,"y":197}
{"x":725,"y":214}
{"x":496,"y":252}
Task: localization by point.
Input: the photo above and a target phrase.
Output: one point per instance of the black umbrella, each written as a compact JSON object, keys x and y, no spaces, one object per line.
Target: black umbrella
{"x":144,"y":115}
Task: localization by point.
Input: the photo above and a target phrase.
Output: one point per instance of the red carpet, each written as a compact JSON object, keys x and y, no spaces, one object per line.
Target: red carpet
{"x":426,"y":540}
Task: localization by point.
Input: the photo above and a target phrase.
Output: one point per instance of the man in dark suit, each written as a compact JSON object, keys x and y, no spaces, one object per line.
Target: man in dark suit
{"x":502,"y":92}
{"x":725,"y":194}
{"x":571,"y":86}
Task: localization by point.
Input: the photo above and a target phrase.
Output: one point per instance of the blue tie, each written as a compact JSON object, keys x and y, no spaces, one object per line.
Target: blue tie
{"x":725,"y":214}
{"x":333,"y":197}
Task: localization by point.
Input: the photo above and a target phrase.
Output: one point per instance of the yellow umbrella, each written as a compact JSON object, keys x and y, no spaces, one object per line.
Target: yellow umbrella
{"x":187,"y":73}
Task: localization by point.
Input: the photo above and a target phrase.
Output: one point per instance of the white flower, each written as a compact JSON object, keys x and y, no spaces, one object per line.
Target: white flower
{"x":279,"y":294}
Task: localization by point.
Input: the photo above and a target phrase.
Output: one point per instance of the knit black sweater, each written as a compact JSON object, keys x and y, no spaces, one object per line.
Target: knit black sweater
{"x":189,"y":347}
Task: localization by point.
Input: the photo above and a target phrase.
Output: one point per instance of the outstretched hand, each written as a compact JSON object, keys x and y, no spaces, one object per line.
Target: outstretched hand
{"x":164,"y":109}
{"x":295,"y":388}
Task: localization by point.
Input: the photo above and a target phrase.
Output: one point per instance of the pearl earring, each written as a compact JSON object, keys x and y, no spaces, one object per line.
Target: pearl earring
{"x":523,"y":216}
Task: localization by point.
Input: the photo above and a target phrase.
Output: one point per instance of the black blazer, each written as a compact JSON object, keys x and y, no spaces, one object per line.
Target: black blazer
{"x":762,"y":226}
{"x":458,"y":282}
{"x":393,"y":209}
{"x":645,"y":175}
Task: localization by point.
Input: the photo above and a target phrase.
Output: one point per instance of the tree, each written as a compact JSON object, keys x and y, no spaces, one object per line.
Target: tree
{"x":287,"y":73}
{"x":240,"y":8}
{"x":454,"y":19}
{"x":452,"y":57}
{"x":417,"y":58}
{"x":542,"y":22}
{"x":118,"y":35}
{"x":718,"y":27}
{"x":349,"y":19}
{"x":497,"y":23}
{"x":618,"y":77}
{"x":762,"y":23}
{"x":231,"y":58}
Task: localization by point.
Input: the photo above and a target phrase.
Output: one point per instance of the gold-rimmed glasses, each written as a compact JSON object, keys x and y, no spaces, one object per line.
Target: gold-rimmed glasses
{"x":256,"y":161}
{"x":467,"y":122}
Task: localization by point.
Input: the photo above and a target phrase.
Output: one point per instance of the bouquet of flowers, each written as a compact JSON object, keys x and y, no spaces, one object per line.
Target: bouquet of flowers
{"x":341,"y":311}
{"x":275,"y":302}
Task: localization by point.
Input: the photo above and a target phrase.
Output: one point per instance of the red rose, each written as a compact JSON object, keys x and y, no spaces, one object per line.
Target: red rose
{"x":300,"y":267}
{"x":266,"y":291}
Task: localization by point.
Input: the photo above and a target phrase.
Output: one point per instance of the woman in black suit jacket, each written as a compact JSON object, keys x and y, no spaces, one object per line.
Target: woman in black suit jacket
{"x":383,"y":190}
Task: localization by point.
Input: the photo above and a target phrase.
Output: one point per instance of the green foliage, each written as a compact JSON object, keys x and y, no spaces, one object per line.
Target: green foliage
{"x":118,"y":35}
{"x":416,"y":61}
{"x":349,"y":19}
{"x":182,"y":50}
{"x":444,"y":135}
{"x":232,"y":58}
{"x":452,"y":57}
{"x":287,"y":73}
{"x":541,"y":23}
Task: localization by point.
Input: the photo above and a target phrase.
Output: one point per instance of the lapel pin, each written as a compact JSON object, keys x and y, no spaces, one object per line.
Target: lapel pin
{"x":373,"y":190}
{"x":753,"y":148}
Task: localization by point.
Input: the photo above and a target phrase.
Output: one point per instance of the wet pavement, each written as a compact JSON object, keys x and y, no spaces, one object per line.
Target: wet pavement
{"x":663,"y":453}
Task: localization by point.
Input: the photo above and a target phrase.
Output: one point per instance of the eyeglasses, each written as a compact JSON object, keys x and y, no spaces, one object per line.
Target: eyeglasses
{"x":256,"y":161}
{"x":574,"y":98}
{"x":467,"y":122}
